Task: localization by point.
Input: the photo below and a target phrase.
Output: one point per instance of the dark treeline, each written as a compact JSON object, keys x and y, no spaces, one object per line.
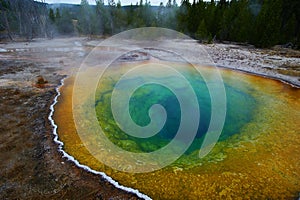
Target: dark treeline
{"x":25,"y":18}
{"x":263,"y":23}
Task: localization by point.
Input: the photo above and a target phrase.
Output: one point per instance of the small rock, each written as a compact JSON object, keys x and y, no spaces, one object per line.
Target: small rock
{"x":41,"y":80}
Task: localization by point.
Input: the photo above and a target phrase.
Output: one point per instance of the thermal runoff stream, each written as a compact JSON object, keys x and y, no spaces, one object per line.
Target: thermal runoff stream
{"x":255,"y":155}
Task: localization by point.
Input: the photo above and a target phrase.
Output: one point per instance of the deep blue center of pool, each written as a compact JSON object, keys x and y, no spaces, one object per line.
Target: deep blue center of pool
{"x":240,"y":109}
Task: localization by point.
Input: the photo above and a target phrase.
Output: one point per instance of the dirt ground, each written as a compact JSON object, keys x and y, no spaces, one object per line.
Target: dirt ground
{"x":30,"y":165}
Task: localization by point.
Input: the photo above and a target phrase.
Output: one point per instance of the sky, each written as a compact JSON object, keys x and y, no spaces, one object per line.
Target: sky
{"x":123,"y":2}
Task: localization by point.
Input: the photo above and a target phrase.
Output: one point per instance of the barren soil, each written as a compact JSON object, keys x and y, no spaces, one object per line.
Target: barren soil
{"x":30,"y":165}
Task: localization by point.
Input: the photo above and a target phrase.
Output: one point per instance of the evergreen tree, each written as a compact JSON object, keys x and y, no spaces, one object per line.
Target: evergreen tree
{"x":161,"y":15}
{"x":268,"y":23}
{"x":84,"y":19}
{"x":120,"y":18}
{"x":103,"y":18}
{"x":64,"y":22}
{"x":57,"y":14}
{"x":5,"y":8}
{"x":183,"y":16}
{"x":261,"y":22}
{"x":130,"y":16}
{"x":289,"y":30}
{"x":51,"y":15}
{"x":175,"y":4}
{"x":201,"y":33}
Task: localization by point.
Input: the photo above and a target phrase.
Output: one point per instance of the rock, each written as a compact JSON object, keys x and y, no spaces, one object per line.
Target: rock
{"x":41,"y":80}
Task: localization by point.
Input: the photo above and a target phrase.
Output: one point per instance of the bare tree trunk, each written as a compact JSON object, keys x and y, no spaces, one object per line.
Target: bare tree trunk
{"x":20,"y":23}
{"x":7,"y":25}
{"x":43,"y":25}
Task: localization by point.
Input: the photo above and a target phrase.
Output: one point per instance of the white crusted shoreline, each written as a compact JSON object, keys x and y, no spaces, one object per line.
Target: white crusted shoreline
{"x":255,"y":61}
{"x":269,"y":63}
{"x":76,"y":162}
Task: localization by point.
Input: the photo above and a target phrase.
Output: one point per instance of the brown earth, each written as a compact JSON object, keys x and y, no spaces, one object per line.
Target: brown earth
{"x":30,"y":165}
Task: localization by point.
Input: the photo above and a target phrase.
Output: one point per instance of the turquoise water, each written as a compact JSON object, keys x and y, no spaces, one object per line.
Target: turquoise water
{"x":240,"y":109}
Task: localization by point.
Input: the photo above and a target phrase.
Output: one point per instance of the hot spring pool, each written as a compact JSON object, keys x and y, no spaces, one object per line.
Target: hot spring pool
{"x":256,"y":156}
{"x":240,"y":109}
